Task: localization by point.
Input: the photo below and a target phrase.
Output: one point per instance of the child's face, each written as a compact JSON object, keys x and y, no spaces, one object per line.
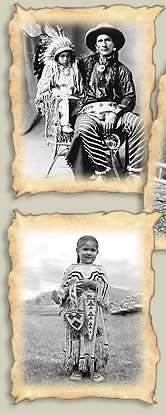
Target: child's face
{"x":87,"y":252}
{"x":64,"y":58}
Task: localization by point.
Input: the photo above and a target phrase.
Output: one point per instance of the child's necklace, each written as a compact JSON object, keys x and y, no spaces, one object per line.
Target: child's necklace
{"x":65,"y":70}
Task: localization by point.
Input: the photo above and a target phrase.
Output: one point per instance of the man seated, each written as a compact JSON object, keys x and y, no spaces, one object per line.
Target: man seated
{"x":109,"y":99}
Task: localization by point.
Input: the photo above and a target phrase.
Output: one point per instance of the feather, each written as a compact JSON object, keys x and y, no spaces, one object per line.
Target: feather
{"x":31,"y":30}
{"x":40,"y":50}
{"x":60,"y":31}
{"x":50,"y":31}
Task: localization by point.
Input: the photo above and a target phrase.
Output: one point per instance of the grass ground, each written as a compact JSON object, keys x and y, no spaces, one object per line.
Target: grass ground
{"x":43,"y":343}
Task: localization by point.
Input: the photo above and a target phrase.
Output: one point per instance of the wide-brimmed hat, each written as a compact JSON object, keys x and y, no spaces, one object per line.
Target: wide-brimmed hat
{"x":102,"y":29}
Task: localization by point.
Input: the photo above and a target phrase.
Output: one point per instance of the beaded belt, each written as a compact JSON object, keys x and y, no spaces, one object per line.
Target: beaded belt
{"x":99,"y":108}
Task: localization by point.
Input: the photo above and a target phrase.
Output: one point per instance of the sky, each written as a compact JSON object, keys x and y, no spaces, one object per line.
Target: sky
{"x":48,"y":254}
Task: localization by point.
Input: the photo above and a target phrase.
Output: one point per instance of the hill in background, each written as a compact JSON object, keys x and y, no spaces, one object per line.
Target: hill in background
{"x":44,"y":298}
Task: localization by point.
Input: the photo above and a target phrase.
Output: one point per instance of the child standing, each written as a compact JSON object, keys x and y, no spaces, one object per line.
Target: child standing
{"x":59,"y":79}
{"x":82,"y":296}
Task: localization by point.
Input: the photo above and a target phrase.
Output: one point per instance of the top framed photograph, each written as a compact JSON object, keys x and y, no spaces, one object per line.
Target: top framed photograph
{"x":80,"y":87}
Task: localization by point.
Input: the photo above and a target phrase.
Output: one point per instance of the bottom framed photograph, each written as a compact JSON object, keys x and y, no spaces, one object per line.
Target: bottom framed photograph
{"x":79,"y":293}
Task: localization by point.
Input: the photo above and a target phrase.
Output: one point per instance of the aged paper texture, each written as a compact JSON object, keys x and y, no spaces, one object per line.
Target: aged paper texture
{"x":32,"y":168}
{"x":155,"y":189}
{"x":41,"y":248}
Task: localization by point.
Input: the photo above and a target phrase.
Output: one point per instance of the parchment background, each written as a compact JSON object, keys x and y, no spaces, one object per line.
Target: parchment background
{"x":71,"y":203}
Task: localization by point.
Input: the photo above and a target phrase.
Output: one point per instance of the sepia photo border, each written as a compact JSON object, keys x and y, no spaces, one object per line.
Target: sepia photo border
{"x":145,"y":16}
{"x":143,"y":223}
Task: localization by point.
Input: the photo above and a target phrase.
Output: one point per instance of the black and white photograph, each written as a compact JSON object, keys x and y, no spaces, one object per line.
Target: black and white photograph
{"x":82,"y":306}
{"x":159,"y":195}
{"x":85,"y":118}
{"x":155,"y":190}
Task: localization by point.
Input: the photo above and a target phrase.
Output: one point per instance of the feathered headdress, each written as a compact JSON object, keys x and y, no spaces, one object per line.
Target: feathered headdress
{"x":51,"y":43}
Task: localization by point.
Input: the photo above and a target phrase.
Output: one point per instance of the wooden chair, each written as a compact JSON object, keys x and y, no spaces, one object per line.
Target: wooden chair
{"x":59,"y":140}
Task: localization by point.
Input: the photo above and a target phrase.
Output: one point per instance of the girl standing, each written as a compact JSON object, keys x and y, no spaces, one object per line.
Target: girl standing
{"x":82,"y":296}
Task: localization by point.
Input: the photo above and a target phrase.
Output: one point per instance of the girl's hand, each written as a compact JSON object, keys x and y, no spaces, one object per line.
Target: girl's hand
{"x":55,"y":297}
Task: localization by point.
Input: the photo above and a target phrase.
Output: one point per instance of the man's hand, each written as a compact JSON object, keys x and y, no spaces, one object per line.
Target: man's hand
{"x":110,"y":121}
